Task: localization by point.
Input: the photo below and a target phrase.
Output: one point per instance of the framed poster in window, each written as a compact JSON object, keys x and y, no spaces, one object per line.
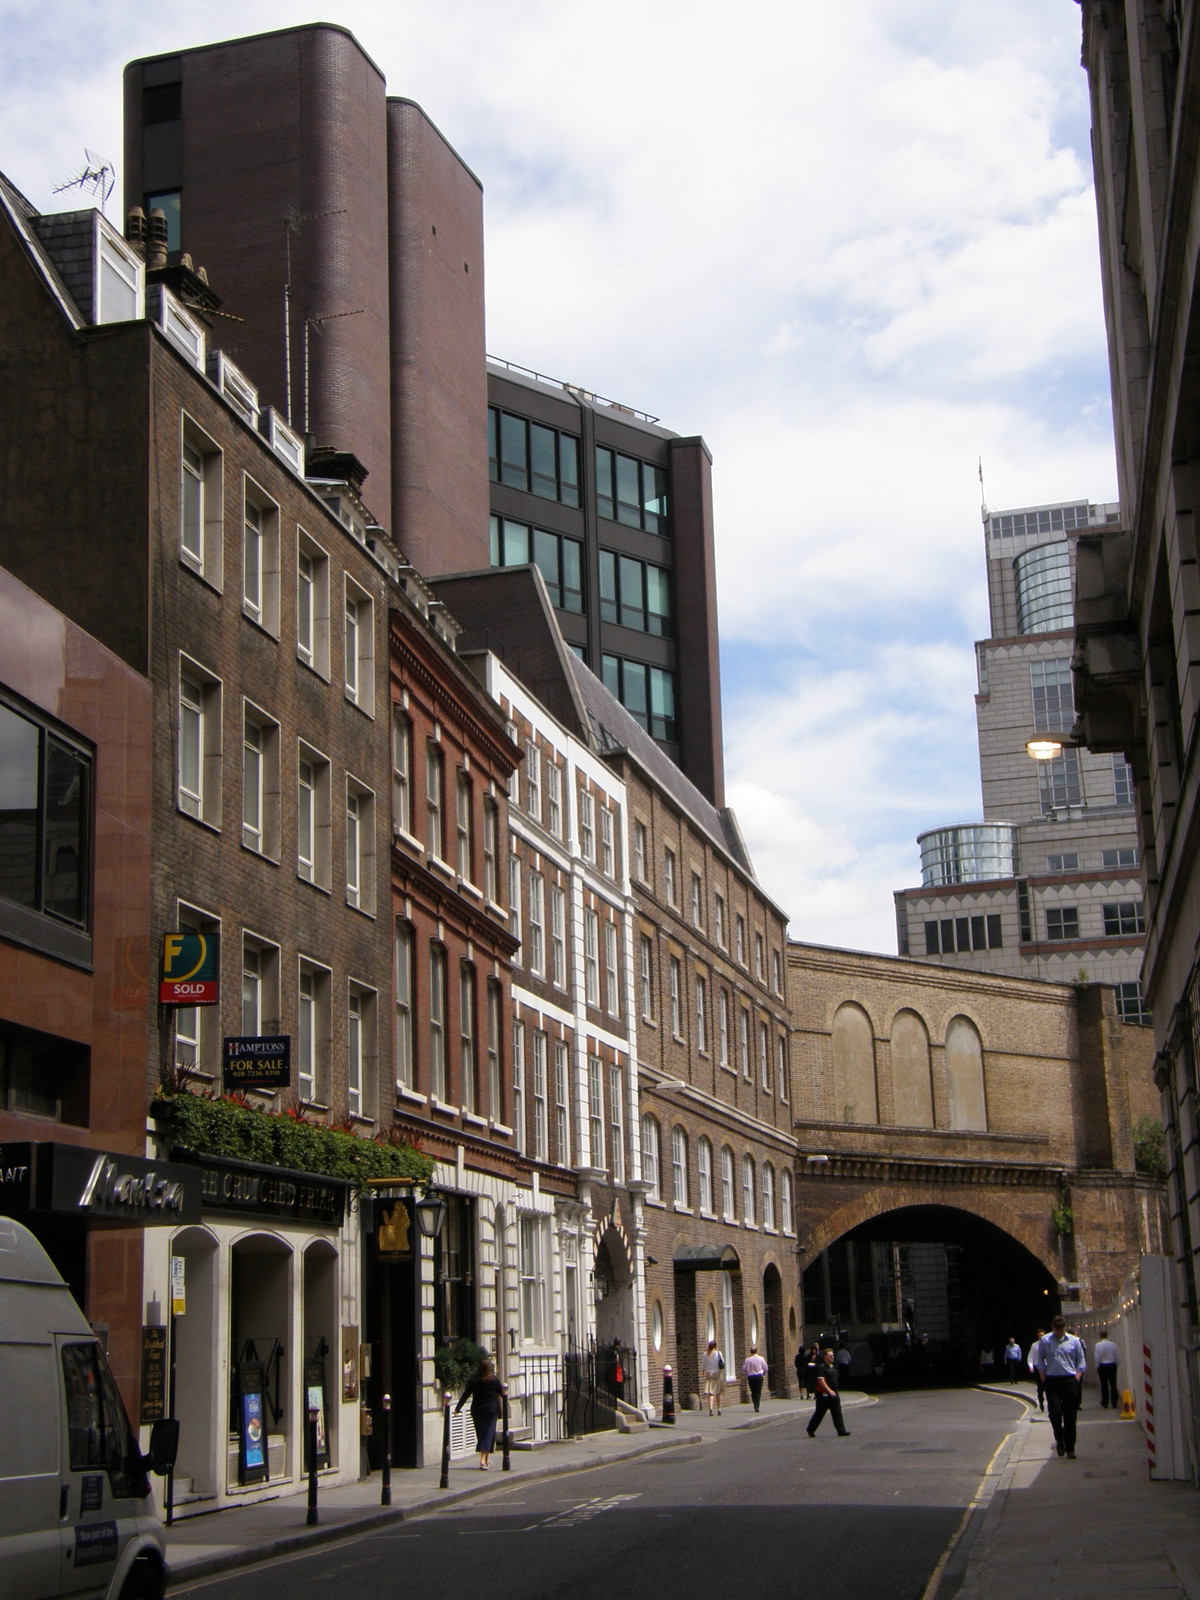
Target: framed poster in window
{"x":252,"y":1423}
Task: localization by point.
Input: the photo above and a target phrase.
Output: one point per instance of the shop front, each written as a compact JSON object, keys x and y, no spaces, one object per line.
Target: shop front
{"x":262,"y":1290}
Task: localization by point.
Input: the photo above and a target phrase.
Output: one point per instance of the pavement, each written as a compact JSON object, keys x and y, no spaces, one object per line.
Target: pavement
{"x":1045,"y":1528}
{"x":219,"y":1541}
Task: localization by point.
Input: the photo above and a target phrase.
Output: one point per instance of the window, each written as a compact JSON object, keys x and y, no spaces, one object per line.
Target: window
{"x":616,"y":1122}
{"x":768,"y":1196}
{"x":607,"y":851}
{"x":541,"y":1124}
{"x":491,"y":846}
{"x":781,"y":1064}
{"x":312,"y":604}
{"x":120,"y":279}
{"x":612,"y":988}
{"x":963,"y":934}
{"x":669,"y":888}
{"x":786,"y":1209}
{"x":464,"y":849}
{"x":260,"y":558}
{"x":201,"y":530}
{"x":557,"y":558}
{"x":437,"y":1023}
{"x":1123,"y":782}
{"x":312,"y":816}
{"x":1060,"y":781}
{"x":776,"y":972}
{"x":646,"y":975}
{"x":495,"y":1006}
{"x":635,"y":594}
{"x":360,"y":647}
{"x":1131,"y":1006}
{"x":1126,"y":856}
{"x":514,"y":895}
{"x":360,"y":846}
{"x":45,"y":829}
{"x":562,"y":1103}
{"x":558,"y":938}
{"x":1062,"y":922}
{"x":596,"y":1110}
{"x":43,"y":1076}
{"x":647,"y":693}
{"x":759,"y":970}
{"x":533,"y":780}
{"x":1067,"y":862}
{"x":764,"y":1057}
{"x":199,"y":791}
{"x":530,"y":456}
{"x":360,"y":1051}
{"x":197,"y":1028}
{"x":651,"y":1157}
{"x":587,"y":825}
{"x":260,"y":987}
{"x":591,"y":957}
{"x":405,"y":1000}
{"x":630,"y":491}
{"x":98,"y":1429}
{"x":532,"y":1271}
{"x":748,"y":1190}
{"x":697,"y":901}
{"x":675,"y":995}
{"x":722,"y":1027}
{"x":1124,"y":916}
{"x":467,"y":1063}
{"x":727,"y":1202}
{"x":701,"y":1015}
{"x":739,"y":939}
{"x":434,"y":788}
{"x":537,"y":924}
{"x":704,"y":1170}
{"x":260,"y":781}
{"x":639,"y":850}
{"x":1053,"y":701}
{"x":719,"y":919}
{"x":554,"y":817}
{"x":744,"y":1041}
{"x":401,"y":772}
{"x":519,"y":1084}
{"x":679,"y":1166}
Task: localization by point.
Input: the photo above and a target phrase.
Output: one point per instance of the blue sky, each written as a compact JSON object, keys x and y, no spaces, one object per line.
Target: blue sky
{"x":854,"y":247}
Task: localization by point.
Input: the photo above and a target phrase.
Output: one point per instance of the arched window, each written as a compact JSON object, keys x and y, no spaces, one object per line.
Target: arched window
{"x":768,"y":1191}
{"x":704,"y":1169}
{"x":912,"y":1091}
{"x":679,"y":1166}
{"x":651,"y":1157}
{"x":787,"y":1218}
{"x":727,"y":1200}
{"x":854,"y":1093}
{"x":964,"y":1076}
{"x":748,"y":1190}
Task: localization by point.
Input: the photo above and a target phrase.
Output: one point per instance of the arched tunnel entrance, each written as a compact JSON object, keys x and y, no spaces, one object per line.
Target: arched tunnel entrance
{"x":919,"y":1294}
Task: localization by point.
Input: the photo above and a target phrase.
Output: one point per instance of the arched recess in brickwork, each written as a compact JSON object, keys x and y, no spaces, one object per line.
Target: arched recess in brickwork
{"x":912,"y":1086}
{"x":855,"y":1097}
{"x":967,"y":1099}
{"x":986,"y":1205}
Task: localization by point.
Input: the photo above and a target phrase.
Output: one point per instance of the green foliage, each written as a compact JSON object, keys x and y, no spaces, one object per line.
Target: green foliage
{"x":230,"y":1126}
{"x":458,"y":1362}
{"x":1063,"y":1216}
{"x":1149,"y":1147}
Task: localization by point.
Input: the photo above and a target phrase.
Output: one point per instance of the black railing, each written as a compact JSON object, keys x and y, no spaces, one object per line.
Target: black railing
{"x":593,"y":1381}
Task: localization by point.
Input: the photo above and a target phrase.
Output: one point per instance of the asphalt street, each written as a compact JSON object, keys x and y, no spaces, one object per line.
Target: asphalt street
{"x":762,"y":1512}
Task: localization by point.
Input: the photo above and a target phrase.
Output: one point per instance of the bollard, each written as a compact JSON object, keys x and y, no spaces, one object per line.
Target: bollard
{"x":444,"y":1480}
{"x":506,"y":1441}
{"x":668,"y":1396}
{"x":311,"y":1519}
{"x":385,"y":1493}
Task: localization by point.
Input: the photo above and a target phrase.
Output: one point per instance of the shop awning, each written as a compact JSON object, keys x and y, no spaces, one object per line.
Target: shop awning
{"x":707,"y":1258}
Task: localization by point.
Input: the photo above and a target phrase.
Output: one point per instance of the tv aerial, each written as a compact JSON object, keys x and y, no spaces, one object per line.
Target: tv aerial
{"x":96,"y":177}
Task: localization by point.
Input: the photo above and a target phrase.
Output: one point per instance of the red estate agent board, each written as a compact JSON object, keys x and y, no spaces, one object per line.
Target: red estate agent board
{"x":191,"y":967}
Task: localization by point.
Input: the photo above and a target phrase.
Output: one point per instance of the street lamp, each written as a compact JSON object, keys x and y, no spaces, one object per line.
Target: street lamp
{"x":1048,"y":746}
{"x":431,"y":1212}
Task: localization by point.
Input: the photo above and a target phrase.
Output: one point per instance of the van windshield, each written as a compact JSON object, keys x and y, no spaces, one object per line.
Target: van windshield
{"x":98,"y":1429}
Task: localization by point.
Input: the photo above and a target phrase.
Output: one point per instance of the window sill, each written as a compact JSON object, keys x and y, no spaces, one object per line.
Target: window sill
{"x":263,"y":855}
{"x":472,"y":1120}
{"x":658,"y":1203}
{"x":203,"y":822}
{"x":197,"y":571}
{"x":359,"y":1121}
{"x":650,"y":1023}
{"x":725,"y":1067}
{"x":500,"y":1128}
{"x":440,"y":1105}
{"x":318,"y":670}
{"x":367,"y":711}
{"x":465,"y":886}
{"x":496,"y":911}
{"x":363,"y":911}
{"x":314,"y":883}
{"x":402,"y":836}
{"x":684,"y":1211}
{"x":260,"y":625}
{"x":436,"y":864}
{"x":403,"y":1092}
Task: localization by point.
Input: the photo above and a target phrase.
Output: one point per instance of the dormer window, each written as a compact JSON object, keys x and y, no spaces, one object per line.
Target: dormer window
{"x":120,"y":278}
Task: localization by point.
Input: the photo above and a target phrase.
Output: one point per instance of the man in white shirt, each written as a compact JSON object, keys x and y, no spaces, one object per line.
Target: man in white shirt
{"x":1107,"y":1356}
{"x":1062,"y":1364}
{"x":754,"y":1370}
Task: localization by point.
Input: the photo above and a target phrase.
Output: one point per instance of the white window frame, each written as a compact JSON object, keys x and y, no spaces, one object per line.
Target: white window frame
{"x":562,"y":1102}
{"x":781,"y":1064}
{"x":670,"y":884}
{"x":360,"y":846}
{"x":616,"y":1123}
{"x":749,"y":1178}
{"x":260,"y":557}
{"x":701,"y":995}
{"x":591,"y":957}
{"x":612,"y":986}
{"x":360,"y":1050}
{"x":728,"y":1193}
{"x":639,"y":850}
{"x":198,"y":771}
{"x":537,"y":925}
{"x":768,"y":1197}
{"x":596,"y":1112}
{"x":652,"y":1156}
{"x":495,"y":1022}
{"x":531,"y":1274}
{"x":201,"y":484}
{"x":315,"y":868}
{"x":554,"y":791}
{"x":607,"y":846}
{"x":764,"y":1056}
{"x":739,"y":939}
{"x":518,"y":1081}
{"x":404,"y":973}
{"x":435,"y":799}
{"x":260,"y":781}
{"x":464,"y":832}
{"x":675,"y":995}
{"x":539,"y":1089}
{"x":646,"y":975}
{"x":197,"y":1028}
{"x":312,"y":1031}
{"x":468,"y":1032}
{"x":719,"y":919}
{"x":491,"y":850}
{"x":787,"y":1219}
{"x":312,"y":604}
{"x":558,"y":937}
{"x":438,"y":1065}
{"x":744,"y":1041}
{"x":359,"y":647}
{"x":265,"y":970}
{"x":679,"y":1168}
{"x":533,"y":780}
{"x":514,"y":895}
{"x":587,"y":826}
{"x":402,"y":749}
{"x":723,"y":1028}
{"x":697,"y":900}
{"x":704,"y":1174}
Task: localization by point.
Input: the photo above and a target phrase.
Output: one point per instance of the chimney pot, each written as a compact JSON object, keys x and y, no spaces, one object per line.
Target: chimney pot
{"x":156,"y":253}
{"x":135,"y":230}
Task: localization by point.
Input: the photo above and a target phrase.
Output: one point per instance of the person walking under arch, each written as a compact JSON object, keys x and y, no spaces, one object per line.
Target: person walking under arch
{"x":829,"y":1399}
{"x":1062,"y":1363}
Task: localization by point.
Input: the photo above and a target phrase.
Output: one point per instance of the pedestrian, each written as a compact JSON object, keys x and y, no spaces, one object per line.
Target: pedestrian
{"x":1034,"y":1371}
{"x":754,"y":1370}
{"x":484,"y":1391}
{"x":987,"y":1361}
{"x":812,"y":1365}
{"x":1062,"y":1363}
{"x":843,"y":1359}
{"x":828,"y":1397}
{"x":1012,"y":1360}
{"x":1107,"y":1357}
{"x":712,"y":1366}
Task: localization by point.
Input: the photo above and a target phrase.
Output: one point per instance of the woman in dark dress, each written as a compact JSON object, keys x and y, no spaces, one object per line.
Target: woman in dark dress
{"x":812,"y":1364}
{"x":483,"y":1391}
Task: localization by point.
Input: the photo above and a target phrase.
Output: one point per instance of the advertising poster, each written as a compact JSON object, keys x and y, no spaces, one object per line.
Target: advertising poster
{"x":253,"y":1441}
{"x":314,"y":1400}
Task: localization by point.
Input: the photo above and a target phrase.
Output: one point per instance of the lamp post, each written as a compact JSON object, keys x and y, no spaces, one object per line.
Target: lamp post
{"x":432,"y":1210}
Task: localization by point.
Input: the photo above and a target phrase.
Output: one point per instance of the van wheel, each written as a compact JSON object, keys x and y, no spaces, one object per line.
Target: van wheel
{"x":143,"y":1583}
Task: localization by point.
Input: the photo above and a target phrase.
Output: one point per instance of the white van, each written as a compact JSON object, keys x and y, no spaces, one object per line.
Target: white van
{"x":76,"y":1516}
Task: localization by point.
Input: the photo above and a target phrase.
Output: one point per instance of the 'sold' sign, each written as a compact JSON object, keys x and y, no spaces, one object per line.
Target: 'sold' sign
{"x":191,"y":970}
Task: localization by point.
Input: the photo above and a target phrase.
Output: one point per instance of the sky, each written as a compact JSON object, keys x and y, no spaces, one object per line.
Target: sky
{"x":854,"y":247}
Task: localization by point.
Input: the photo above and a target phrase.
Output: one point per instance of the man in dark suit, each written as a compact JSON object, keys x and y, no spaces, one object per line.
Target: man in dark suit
{"x":828,"y":1398}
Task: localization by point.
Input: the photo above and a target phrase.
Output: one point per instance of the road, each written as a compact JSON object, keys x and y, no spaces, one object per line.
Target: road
{"x":760,"y":1512}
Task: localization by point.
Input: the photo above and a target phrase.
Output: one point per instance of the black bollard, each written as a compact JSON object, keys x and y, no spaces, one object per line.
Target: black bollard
{"x":311,"y":1519}
{"x":385,"y":1493}
{"x":668,"y":1397}
{"x":444,"y":1481}
{"x":506,"y":1441}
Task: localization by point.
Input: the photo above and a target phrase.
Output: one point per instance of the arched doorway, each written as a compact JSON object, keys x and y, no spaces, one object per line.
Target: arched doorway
{"x":774,"y":1349}
{"x":614,"y":1291}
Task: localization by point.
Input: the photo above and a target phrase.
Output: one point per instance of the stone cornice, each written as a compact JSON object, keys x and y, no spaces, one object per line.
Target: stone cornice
{"x":912,"y":1171}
